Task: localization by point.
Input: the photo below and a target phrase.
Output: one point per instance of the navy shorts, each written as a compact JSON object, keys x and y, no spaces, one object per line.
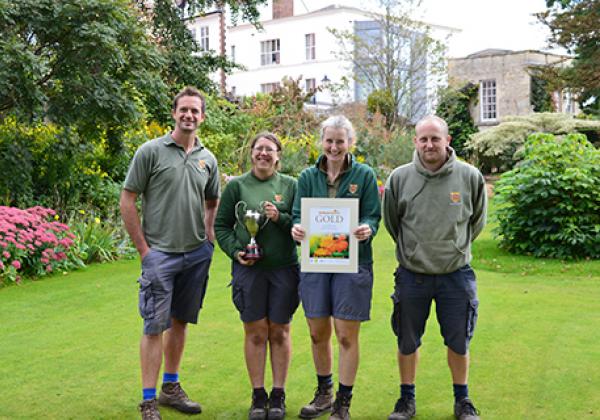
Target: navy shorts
{"x":173,"y":285}
{"x":265,"y":293}
{"x":456,"y":303}
{"x":341,"y":295}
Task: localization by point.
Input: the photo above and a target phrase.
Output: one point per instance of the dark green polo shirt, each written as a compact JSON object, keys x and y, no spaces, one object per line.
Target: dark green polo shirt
{"x":173,"y":186}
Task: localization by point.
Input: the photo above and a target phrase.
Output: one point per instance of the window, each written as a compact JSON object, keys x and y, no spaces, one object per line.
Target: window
{"x":309,"y":40}
{"x":269,"y":87}
{"x":311,"y":86}
{"x":233,"y":53}
{"x":269,"y":52}
{"x":488,"y":100}
{"x":203,"y":41}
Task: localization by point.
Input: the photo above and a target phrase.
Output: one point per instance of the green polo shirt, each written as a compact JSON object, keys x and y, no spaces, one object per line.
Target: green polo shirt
{"x":173,"y":186}
{"x":275,"y":239}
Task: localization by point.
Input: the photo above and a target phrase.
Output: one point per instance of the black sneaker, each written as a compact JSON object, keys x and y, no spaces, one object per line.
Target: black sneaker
{"x":276,"y":406}
{"x":172,"y":395}
{"x":405,"y":409}
{"x":465,"y":410}
{"x":149,"y":410}
{"x":258,"y":409}
{"x":341,"y":407}
{"x":320,"y":404}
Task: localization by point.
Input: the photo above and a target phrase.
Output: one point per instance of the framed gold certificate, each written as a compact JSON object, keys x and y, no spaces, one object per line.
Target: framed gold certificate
{"x":329,"y":246}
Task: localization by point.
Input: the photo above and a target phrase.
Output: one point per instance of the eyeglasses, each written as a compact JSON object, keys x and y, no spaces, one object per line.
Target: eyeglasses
{"x":265,"y":149}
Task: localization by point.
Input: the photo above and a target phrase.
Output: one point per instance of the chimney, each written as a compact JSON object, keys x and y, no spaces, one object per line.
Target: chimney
{"x":283,"y":8}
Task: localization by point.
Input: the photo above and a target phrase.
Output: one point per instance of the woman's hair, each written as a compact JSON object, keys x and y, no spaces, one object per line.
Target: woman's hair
{"x":338,"y":121}
{"x":269,"y":136}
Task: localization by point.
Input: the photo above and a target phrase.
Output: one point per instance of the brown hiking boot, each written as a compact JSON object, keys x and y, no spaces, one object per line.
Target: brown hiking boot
{"x":341,"y":407}
{"x":149,"y":410}
{"x":174,"y":396}
{"x":319,"y":405}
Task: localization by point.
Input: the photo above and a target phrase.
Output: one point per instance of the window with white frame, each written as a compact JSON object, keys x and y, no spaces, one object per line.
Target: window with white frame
{"x":233,"y":53}
{"x":487,"y":98}
{"x":269,"y":52}
{"x":311,"y":87}
{"x":309,"y":41}
{"x":269,"y":87}
{"x":203,"y":41}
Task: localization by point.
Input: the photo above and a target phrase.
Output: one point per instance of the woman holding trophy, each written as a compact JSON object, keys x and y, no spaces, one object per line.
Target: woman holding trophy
{"x":338,"y":301}
{"x":253,"y":228}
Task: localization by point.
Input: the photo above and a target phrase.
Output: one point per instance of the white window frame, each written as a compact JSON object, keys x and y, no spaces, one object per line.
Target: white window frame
{"x":270,"y":52}
{"x":488,"y":100}
{"x":269,"y":87}
{"x":310,"y":44}
{"x":203,"y":39}
{"x":233,"y":53}
{"x":310,"y":85}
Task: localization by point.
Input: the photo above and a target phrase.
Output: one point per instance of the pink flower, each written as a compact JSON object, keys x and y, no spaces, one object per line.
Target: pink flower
{"x":44,"y":260}
{"x":6,"y":254}
{"x":49,"y":268}
{"x":16,"y":264}
{"x":19,"y":246}
{"x":1,"y":266}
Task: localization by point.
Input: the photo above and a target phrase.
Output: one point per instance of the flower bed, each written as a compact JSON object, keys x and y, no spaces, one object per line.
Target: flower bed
{"x":33,"y":243}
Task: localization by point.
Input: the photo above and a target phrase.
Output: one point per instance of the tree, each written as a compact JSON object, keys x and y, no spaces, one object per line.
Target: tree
{"x":394,"y":53}
{"x":82,"y":62}
{"x":574,"y":25}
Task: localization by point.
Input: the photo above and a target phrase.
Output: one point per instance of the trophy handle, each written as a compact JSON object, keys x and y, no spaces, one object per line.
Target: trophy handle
{"x":237,"y":206}
{"x":262,"y":208}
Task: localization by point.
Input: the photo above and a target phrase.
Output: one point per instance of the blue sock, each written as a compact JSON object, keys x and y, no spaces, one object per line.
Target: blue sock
{"x":460,"y":391}
{"x":325,"y":381}
{"x":170,"y":377}
{"x":407,"y":391}
{"x":149,"y":393}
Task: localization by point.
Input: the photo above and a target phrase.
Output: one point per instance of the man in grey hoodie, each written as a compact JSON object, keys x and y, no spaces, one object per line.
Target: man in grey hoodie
{"x":434,"y":207}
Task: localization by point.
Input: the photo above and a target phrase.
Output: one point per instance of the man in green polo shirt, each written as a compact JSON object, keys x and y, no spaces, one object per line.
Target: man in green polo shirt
{"x":178,"y":181}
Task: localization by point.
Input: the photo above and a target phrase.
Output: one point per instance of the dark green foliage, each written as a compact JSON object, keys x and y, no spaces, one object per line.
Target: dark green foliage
{"x":541,"y":100}
{"x":550,"y":203}
{"x":574,"y":26}
{"x":454,"y":107}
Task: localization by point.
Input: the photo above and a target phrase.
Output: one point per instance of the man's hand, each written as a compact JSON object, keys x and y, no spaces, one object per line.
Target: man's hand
{"x":240,"y":257}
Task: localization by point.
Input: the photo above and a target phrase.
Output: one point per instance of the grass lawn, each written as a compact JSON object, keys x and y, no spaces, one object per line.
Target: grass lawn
{"x":69,"y":346}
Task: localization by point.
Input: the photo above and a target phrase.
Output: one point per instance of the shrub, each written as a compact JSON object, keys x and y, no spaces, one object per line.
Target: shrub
{"x":550,"y":203}
{"x":382,"y":102}
{"x":498,"y":148}
{"x":98,"y":240}
{"x":33,"y":244}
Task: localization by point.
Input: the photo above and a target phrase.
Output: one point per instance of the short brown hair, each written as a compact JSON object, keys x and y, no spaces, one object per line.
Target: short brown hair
{"x":189,"y":91}
{"x":269,"y":136}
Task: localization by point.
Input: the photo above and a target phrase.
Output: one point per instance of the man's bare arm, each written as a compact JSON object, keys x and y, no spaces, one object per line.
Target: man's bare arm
{"x":210,"y":214}
{"x":131,"y":219}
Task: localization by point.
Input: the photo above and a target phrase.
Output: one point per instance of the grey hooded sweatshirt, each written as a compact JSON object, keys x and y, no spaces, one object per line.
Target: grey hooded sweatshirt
{"x":434,"y":216}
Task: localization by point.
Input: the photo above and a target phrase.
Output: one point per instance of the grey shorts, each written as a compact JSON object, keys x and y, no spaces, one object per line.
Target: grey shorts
{"x":265,"y":293}
{"x":456,"y":303}
{"x":341,"y":295}
{"x":172,"y":285}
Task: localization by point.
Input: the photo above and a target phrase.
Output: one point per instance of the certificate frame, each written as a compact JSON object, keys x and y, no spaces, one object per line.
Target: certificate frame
{"x":328,"y":245}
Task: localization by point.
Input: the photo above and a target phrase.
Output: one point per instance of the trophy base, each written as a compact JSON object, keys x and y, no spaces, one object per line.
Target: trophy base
{"x":253,"y":253}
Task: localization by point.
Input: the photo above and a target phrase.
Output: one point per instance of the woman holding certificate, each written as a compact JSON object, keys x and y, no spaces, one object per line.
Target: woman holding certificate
{"x":337,"y":301}
{"x":253,"y":228}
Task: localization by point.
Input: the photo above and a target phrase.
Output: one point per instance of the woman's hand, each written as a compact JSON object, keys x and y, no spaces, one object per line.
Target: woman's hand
{"x":298,"y":233}
{"x":240,"y":258}
{"x":271,"y":211}
{"x":363,"y":232}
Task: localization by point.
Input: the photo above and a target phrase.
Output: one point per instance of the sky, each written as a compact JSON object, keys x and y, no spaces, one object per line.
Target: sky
{"x":504,"y":24}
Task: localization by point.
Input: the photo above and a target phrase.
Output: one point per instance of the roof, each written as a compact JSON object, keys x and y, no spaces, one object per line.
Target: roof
{"x":493,"y":52}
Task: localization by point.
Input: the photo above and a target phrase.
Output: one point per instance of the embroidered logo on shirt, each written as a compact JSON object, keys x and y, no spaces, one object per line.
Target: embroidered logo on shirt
{"x":455,"y":197}
{"x":353,"y":188}
{"x":202,"y":164}
{"x":278,"y":198}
